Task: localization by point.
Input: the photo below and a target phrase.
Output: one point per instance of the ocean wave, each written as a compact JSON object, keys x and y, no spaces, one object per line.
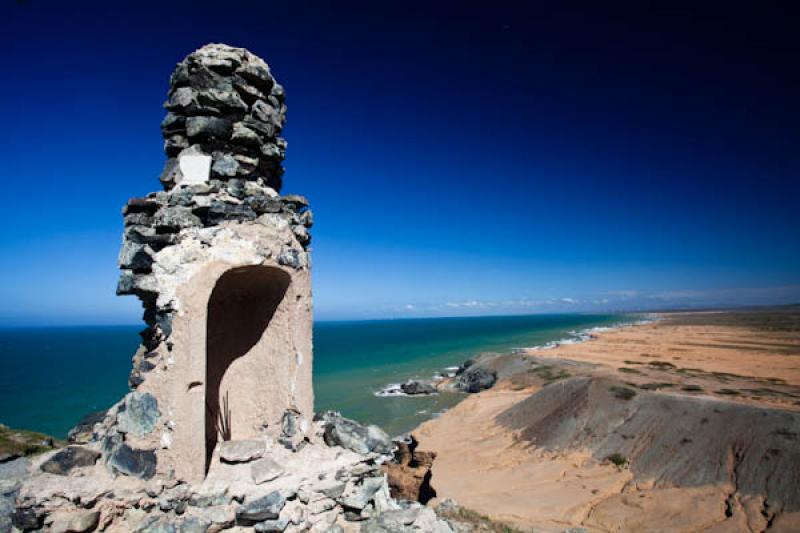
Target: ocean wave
{"x":392,"y":389}
{"x":583,"y":335}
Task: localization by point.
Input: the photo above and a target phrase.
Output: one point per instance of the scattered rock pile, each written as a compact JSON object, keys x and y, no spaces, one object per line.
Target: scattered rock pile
{"x":256,"y":483}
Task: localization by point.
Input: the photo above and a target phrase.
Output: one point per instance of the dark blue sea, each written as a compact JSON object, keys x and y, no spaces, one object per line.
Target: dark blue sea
{"x":51,"y":377}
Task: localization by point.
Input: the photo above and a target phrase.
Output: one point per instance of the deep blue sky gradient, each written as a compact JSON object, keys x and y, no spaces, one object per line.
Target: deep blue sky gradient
{"x":460,"y":158}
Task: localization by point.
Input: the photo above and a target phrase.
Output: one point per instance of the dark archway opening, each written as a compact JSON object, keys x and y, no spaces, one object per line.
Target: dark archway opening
{"x":240,"y":308}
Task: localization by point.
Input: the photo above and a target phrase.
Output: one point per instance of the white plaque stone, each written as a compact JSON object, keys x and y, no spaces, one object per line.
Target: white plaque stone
{"x":195,"y":168}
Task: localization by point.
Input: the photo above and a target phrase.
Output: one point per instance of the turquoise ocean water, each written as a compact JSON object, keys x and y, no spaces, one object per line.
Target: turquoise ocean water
{"x":50,"y":377}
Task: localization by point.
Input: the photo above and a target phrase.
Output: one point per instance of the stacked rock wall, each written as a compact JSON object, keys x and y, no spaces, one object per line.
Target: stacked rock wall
{"x":218,"y":255}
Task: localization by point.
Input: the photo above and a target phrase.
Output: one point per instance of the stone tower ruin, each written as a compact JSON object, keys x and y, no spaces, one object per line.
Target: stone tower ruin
{"x":220,"y":262}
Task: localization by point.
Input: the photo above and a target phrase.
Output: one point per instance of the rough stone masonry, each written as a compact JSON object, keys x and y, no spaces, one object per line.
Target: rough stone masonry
{"x":220,"y":262}
{"x":217,"y":432}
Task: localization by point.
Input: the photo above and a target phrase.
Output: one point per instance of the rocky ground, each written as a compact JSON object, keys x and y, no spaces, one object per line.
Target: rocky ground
{"x":333,"y":482}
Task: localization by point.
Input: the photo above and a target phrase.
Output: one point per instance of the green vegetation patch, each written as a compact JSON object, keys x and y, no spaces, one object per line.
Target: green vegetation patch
{"x":725,"y":376}
{"x":623,"y":393}
{"x":618,"y":459}
{"x":474,"y":520}
{"x":661,"y":365}
{"x":19,"y":442}
{"x":549,"y":373}
{"x":629,"y":370}
{"x":729,"y":392}
{"x":655,"y":386}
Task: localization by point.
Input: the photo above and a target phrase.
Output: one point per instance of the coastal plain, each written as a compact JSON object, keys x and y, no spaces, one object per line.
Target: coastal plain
{"x":687,"y":423}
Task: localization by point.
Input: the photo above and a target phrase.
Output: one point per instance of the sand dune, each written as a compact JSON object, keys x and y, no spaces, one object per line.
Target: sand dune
{"x":574,"y":442}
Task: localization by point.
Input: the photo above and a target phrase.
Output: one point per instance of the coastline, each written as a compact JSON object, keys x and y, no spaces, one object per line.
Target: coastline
{"x":441,"y":378}
{"x":542,"y":473}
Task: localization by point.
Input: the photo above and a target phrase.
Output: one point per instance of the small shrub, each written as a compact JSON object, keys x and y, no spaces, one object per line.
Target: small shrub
{"x":623,"y":393}
{"x":692,"y":388}
{"x":629,"y":370}
{"x":618,"y":459}
{"x":662,"y":365}
{"x":729,"y":392}
{"x":477,"y":521}
{"x":655,"y":386}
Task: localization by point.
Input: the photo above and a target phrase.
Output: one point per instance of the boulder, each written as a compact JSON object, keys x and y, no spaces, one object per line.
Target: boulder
{"x":362,"y":494}
{"x":241,"y":451}
{"x":219,"y":211}
{"x":83,"y":431}
{"x":138,"y":414}
{"x":132,"y":462}
{"x":194,"y":524}
{"x":464,"y":366}
{"x":174,"y":219}
{"x":258,"y":75}
{"x":245,"y":136}
{"x":224,"y":99}
{"x":78,"y":521}
{"x":397,"y":520}
{"x":340,"y":431}
{"x":69,"y":458}
{"x":208,"y":128}
{"x":160,"y":525}
{"x":265,"y":470}
{"x":272,"y":525}
{"x":476,"y":379}
{"x":134,"y":256}
{"x":224,"y":166}
{"x":14,"y":469}
{"x":330,"y":488}
{"x":262,"y":203}
{"x":295,"y":201}
{"x":289,"y":257}
{"x":175,"y":144}
{"x":267,"y":114}
{"x":140,"y":205}
{"x":173,"y":123}
{"x":27,"y":519}
{"x":414,"y":388}
{"x":265,"y":508}
{"x":171,"y":174}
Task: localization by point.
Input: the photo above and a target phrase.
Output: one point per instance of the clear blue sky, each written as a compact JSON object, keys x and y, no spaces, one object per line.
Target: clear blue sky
{"x":460,"y":158}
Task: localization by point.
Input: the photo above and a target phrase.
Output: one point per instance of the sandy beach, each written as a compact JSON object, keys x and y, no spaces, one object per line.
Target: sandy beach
{"x":689,"y":423}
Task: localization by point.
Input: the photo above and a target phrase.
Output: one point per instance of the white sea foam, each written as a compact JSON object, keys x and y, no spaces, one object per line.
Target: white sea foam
{"x":583,"y":335}
{"x":573,"y":337}
{"x":392,"y":389}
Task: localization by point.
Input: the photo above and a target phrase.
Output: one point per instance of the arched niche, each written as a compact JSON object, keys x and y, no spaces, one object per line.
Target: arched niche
{"x":240,"y":308}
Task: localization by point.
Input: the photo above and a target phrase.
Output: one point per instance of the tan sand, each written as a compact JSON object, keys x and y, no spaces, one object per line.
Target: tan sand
{"x":487,"y":466}
{"x":747,"y":363}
